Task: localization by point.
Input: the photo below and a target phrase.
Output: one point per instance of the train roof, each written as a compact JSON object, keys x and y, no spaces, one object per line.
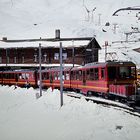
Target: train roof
{"x":105,"y":64}
{"x":18,"y":71}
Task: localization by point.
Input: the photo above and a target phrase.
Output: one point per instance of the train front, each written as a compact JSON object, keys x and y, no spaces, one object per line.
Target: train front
{"x":122,"y":80}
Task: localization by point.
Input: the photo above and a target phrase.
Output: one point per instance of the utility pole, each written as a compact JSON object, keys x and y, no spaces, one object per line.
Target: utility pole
{"x":6,"y":57}
{"x":106,"y":44}
{"x":92,"y":17}
{"x":115,"y":27}
{"x":83,"y":2}
{"x":61,"y":76}
{"x":40,"y":73}
{"x":73,"y":53}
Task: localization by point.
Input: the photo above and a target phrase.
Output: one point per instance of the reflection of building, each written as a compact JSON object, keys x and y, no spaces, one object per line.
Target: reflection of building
{"x":26,"y":54}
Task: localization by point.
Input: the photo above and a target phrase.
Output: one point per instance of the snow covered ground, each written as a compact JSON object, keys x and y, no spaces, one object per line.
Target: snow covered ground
{"x":23,"y":117}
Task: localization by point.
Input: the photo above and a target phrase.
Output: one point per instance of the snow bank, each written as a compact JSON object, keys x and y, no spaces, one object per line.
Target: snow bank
{"x":23,"y":117}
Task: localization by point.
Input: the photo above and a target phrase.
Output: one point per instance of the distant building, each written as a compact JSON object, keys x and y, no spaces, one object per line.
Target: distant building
{"x":77,"y":51}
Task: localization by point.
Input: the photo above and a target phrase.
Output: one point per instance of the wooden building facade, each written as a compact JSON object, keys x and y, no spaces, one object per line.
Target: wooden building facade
{"x":28,"y":56}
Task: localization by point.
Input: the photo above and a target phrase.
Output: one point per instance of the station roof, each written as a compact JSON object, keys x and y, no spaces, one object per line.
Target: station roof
{"x":49,"y":42}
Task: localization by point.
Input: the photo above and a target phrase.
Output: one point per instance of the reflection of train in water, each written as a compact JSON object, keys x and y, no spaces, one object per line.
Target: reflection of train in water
{"x":110,"y":79}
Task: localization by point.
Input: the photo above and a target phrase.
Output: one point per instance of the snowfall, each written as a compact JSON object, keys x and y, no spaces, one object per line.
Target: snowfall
{"x":24,"y":117}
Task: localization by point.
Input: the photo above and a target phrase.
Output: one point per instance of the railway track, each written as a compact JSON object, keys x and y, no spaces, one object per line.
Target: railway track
{"x":108,"y":103}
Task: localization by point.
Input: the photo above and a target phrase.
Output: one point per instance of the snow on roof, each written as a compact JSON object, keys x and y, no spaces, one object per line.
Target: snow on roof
{"x":43,"y":43}
{"x":37,"y":65}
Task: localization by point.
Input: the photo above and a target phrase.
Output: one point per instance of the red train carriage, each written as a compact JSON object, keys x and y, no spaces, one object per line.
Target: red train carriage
{"x":115,"y":78}
{"x":110,"y":78}
{"x":51,"y":78}
{"x":19,"y":78}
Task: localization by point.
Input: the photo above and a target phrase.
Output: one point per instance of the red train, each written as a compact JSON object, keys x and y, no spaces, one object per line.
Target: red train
{"x":110,"y":79}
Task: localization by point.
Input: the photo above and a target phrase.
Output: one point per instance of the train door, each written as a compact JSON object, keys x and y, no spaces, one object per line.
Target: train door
{"x":84,"y":77}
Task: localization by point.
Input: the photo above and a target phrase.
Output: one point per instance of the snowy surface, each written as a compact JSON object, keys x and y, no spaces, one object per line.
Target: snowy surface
{"x":23,"y":117}
{"x":26,"y":19}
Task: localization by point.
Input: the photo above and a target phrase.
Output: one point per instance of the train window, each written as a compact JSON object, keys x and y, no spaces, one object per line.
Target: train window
{"x":20,"y":76}
{"x":124,"y":72}
{"x":67,"y":75}
{"x":112,"y":72}
{"x":91,"y":76}
{"x":27,"y":75}
{"x":74,"y":75}
{"x":133,"y":72}
{"x":55,"y":76}
{"x":16,"y":77}
{"x":71,"y":75}
{"x":77,"y":75}
{"x":127,"y":72}
{"x":9,"y":76}
{"x":103,"y":73}
{"x":6,"y":76}
{"x":12,"y":75}
{"x":96,"y":74}
{"x":80,"y":74}
{"x":88,"y":74}
{"x":51,"y":77}
{"x":45,"y":76}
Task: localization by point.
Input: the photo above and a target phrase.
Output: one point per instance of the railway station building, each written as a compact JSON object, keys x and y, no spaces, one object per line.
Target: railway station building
{"x":25,"y":53}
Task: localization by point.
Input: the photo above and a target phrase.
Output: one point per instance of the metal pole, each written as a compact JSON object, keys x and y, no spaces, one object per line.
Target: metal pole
{"x":6,"y":57}
{"x":73,"y":52}
{"x":105,"y":52}
{"x":40,"y":73}
{"x":61,"y":76}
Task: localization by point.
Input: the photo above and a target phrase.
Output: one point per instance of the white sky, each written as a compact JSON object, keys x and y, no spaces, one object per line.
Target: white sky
{"x":25,"y":19}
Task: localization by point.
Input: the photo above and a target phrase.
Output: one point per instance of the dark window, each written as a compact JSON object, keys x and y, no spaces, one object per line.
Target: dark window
{"x":91,"y":76}
{"x":88,"y":75}
{"x":96,"y":74}
{"x":103,"y":73}
{"x":127,"y":72}
{"x":112,"y":72}
{"x":80,"y":74}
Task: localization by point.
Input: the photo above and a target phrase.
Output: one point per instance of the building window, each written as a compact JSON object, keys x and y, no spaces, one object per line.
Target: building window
{"x":15,"y":60}
{"x":56,"y":56}
{"x":8,"y":59}
{"x":22,"y":59}
{"x":64,"y":56}
{"x":0,"y":59}
{"x":45,"y":57}
{"x":35,"y":57}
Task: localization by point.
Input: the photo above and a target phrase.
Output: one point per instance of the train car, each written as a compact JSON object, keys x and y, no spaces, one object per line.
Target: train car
{"x":112,"y":79}
{"x":109,"y":79}
{"x":51,"y":78}
{"x":23,"y":78}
